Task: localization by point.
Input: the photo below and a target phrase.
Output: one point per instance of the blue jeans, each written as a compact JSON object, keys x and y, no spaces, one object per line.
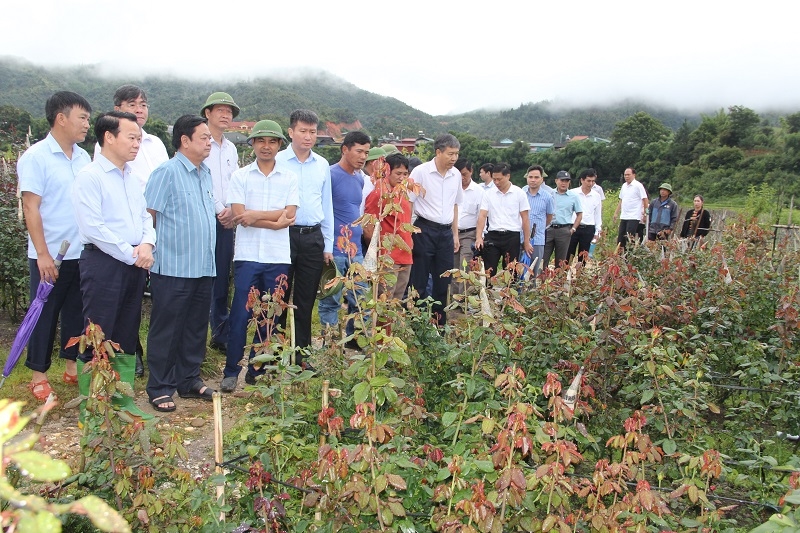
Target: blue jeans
{"x":329,"y":307}
{"x":247,"y":274}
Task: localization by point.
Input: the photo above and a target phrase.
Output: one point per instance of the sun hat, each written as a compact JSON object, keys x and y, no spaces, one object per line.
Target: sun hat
{"x":220,"y":98}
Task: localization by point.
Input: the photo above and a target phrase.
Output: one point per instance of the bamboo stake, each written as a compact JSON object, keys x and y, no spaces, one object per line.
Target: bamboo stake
{"x":217,"y":400}
{"x":325,"y":395}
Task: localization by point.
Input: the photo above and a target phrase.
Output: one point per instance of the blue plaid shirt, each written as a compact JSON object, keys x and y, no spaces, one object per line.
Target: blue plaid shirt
{"x":541,"y":204}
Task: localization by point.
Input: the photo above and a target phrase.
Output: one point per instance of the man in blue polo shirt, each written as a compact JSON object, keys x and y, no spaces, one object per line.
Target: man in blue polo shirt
{"x":180,"y":199}
{"x":560,"y":232}
{"x":46,"y":173}
{"x":542,"y":208}
{"x":347,"y":184}
{"x":263,"y":197}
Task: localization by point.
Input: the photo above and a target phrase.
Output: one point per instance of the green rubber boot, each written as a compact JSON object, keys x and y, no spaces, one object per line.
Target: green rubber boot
{"x":125,"y":365}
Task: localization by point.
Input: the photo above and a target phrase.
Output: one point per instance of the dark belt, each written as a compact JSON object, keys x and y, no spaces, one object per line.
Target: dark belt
{"x":556,"y":226}
{"x":586,"y":225}
{"x":90,"y":247}
{"x":426,"y":222}
{"x":305,"y":230}
{"x":502,"y":231}
{"x":466,"y":230}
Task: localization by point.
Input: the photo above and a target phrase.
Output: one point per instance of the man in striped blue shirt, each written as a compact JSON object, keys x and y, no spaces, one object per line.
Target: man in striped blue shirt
{"x":180,"y":199}
{"x":542,"y":208}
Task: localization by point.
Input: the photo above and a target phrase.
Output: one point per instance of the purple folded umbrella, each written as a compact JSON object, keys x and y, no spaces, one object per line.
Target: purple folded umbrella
{"x":31,"y":318}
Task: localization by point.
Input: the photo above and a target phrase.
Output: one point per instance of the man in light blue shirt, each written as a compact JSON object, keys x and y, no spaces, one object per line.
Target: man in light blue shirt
{"x":180,"y":199}
{"x":263,"y":197}
{"x":46,"y":173}
{"x":542,"y":208}
{"x":560,"y":231}
{"x":116,"y":232}
{"x":311,"y":236}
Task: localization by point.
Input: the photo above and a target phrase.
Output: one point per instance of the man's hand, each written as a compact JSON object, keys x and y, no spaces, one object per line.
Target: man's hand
{"x":144,"y":255}
{"x":284,"y":221}
{"x":528,"y":248}
{"x":456,"y":244}
{"x":226,"y":217}
{"x":479,"y":242}
{"x":47,"y":268}
{"x":328,"y":257}
{"x":247,"y":218}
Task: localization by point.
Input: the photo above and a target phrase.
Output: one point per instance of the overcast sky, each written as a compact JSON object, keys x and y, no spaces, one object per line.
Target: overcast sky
{"x":440,"y":57}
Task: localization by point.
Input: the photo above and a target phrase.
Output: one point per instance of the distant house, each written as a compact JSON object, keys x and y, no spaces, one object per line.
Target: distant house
{"x":236,"y":137}
{"x":325,"y":140}
{"x":244,"y":127}
{"x":578,"y":138}
{"x":540,"y":147}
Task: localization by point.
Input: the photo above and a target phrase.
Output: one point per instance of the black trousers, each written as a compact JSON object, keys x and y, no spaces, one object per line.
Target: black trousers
{"x":64,"y":300}
{"x":112,"y":298}
{"x":176,"y":342}
{"x":582,"y":240}
{"x":223,"y":257}
{"x":433,"y":255}
{"x":307,"y":249}
{"x":500,"y":245}
{"x":626,"y":228}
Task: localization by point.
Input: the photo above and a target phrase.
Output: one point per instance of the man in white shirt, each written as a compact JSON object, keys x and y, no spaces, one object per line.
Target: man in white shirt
{"x":116,"y":230}
{"x":223,"y":161}
{"x":485,"y":173}
{"x":152,"y":152}
{"x":592,"y":221}
{"x":263,"y":197}
{"x":436,"y":207}
{"x":632,"y":208}
{"x":506,"y":208}
{"x":467,"y":219}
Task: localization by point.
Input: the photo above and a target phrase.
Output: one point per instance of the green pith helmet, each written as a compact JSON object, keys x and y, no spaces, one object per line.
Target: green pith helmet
{"x":375,"y":153}
{"x":329,"y":272}
{"x":221,"y":99}
{"x":266,"y":128}
{"x":666,"y":186}
{"x":390,"y":149}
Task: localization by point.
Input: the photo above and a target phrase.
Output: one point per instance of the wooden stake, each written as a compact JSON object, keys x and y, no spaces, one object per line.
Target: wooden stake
{"x":325,"y":395}
{"x":217,"y":401}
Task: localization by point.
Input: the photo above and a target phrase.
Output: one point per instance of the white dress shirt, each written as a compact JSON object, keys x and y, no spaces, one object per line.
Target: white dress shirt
{"x":223,"y":161}
{"x":469,"y":208}
{"x":592,"y":209}
{"x":631,"y":196}
{"x":503,"y":209}
{"x":251,"y":188}
{"x":152,"y":153}
{"x":440,"y":193}
{"x":111,"y":210}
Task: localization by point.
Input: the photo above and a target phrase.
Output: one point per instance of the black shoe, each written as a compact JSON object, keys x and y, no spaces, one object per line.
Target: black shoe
{"x":249,"y":378}
{"x":139,"y":365}
{"x":307,"y":366}
{"x":352,"y":344}
{"x":218,"y":346}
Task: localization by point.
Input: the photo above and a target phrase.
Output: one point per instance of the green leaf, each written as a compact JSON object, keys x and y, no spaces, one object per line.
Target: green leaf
{"x":41,"y":467}
{"x":41,"y":522}
{"x":101,"y":514}
{"x":668,"y":371}
{"x":448,"y":418}
{"x":651,"y":367}
{"x":404,"y":462}
{"x":442,"y":474}
{"x":379,"y":381}
{"x":669,"y":446}
{"x":647,"y":396}
{"x":485,"y":466}
{"x":401,"y":357}
{"x":360,"y":392}
{"x":793,"y":498}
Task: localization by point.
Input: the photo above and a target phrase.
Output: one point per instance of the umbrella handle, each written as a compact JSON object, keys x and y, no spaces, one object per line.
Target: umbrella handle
{"x":61,"y":253}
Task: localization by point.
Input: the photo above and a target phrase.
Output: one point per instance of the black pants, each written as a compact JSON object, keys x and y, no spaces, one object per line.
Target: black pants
{"x":307,"y":249}
{"x":433,"y":255}
{"x":176,"y":342}
{"x":112,"y":298}
{"x":582,"y":240}
{"x":64,"y":300}
{"x":500,"y":245}
{"x":223,"y":256}
{"x":626,"y":228}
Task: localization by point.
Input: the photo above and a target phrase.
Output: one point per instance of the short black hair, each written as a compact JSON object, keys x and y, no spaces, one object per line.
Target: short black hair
{"x":63,"y":102}
{"x":397,"y":160}
{"x":463,"y":163}
{"x":589,"y":172}
{"x":185,"y":125}
{"x":355,"y":137}
{"x":535,"y":167}
{"x":487,"y":167}
{"x":305,"y":116}
{"x":109,"y":122}
{"x":128,"y":92}
{"x":502,"y":168}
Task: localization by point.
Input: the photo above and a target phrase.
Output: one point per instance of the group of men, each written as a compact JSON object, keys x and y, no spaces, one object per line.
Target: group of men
{"x":187,"y":221}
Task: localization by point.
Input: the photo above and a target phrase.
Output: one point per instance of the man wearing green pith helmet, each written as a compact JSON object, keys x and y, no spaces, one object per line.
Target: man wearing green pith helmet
{"x":220,"y":110}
